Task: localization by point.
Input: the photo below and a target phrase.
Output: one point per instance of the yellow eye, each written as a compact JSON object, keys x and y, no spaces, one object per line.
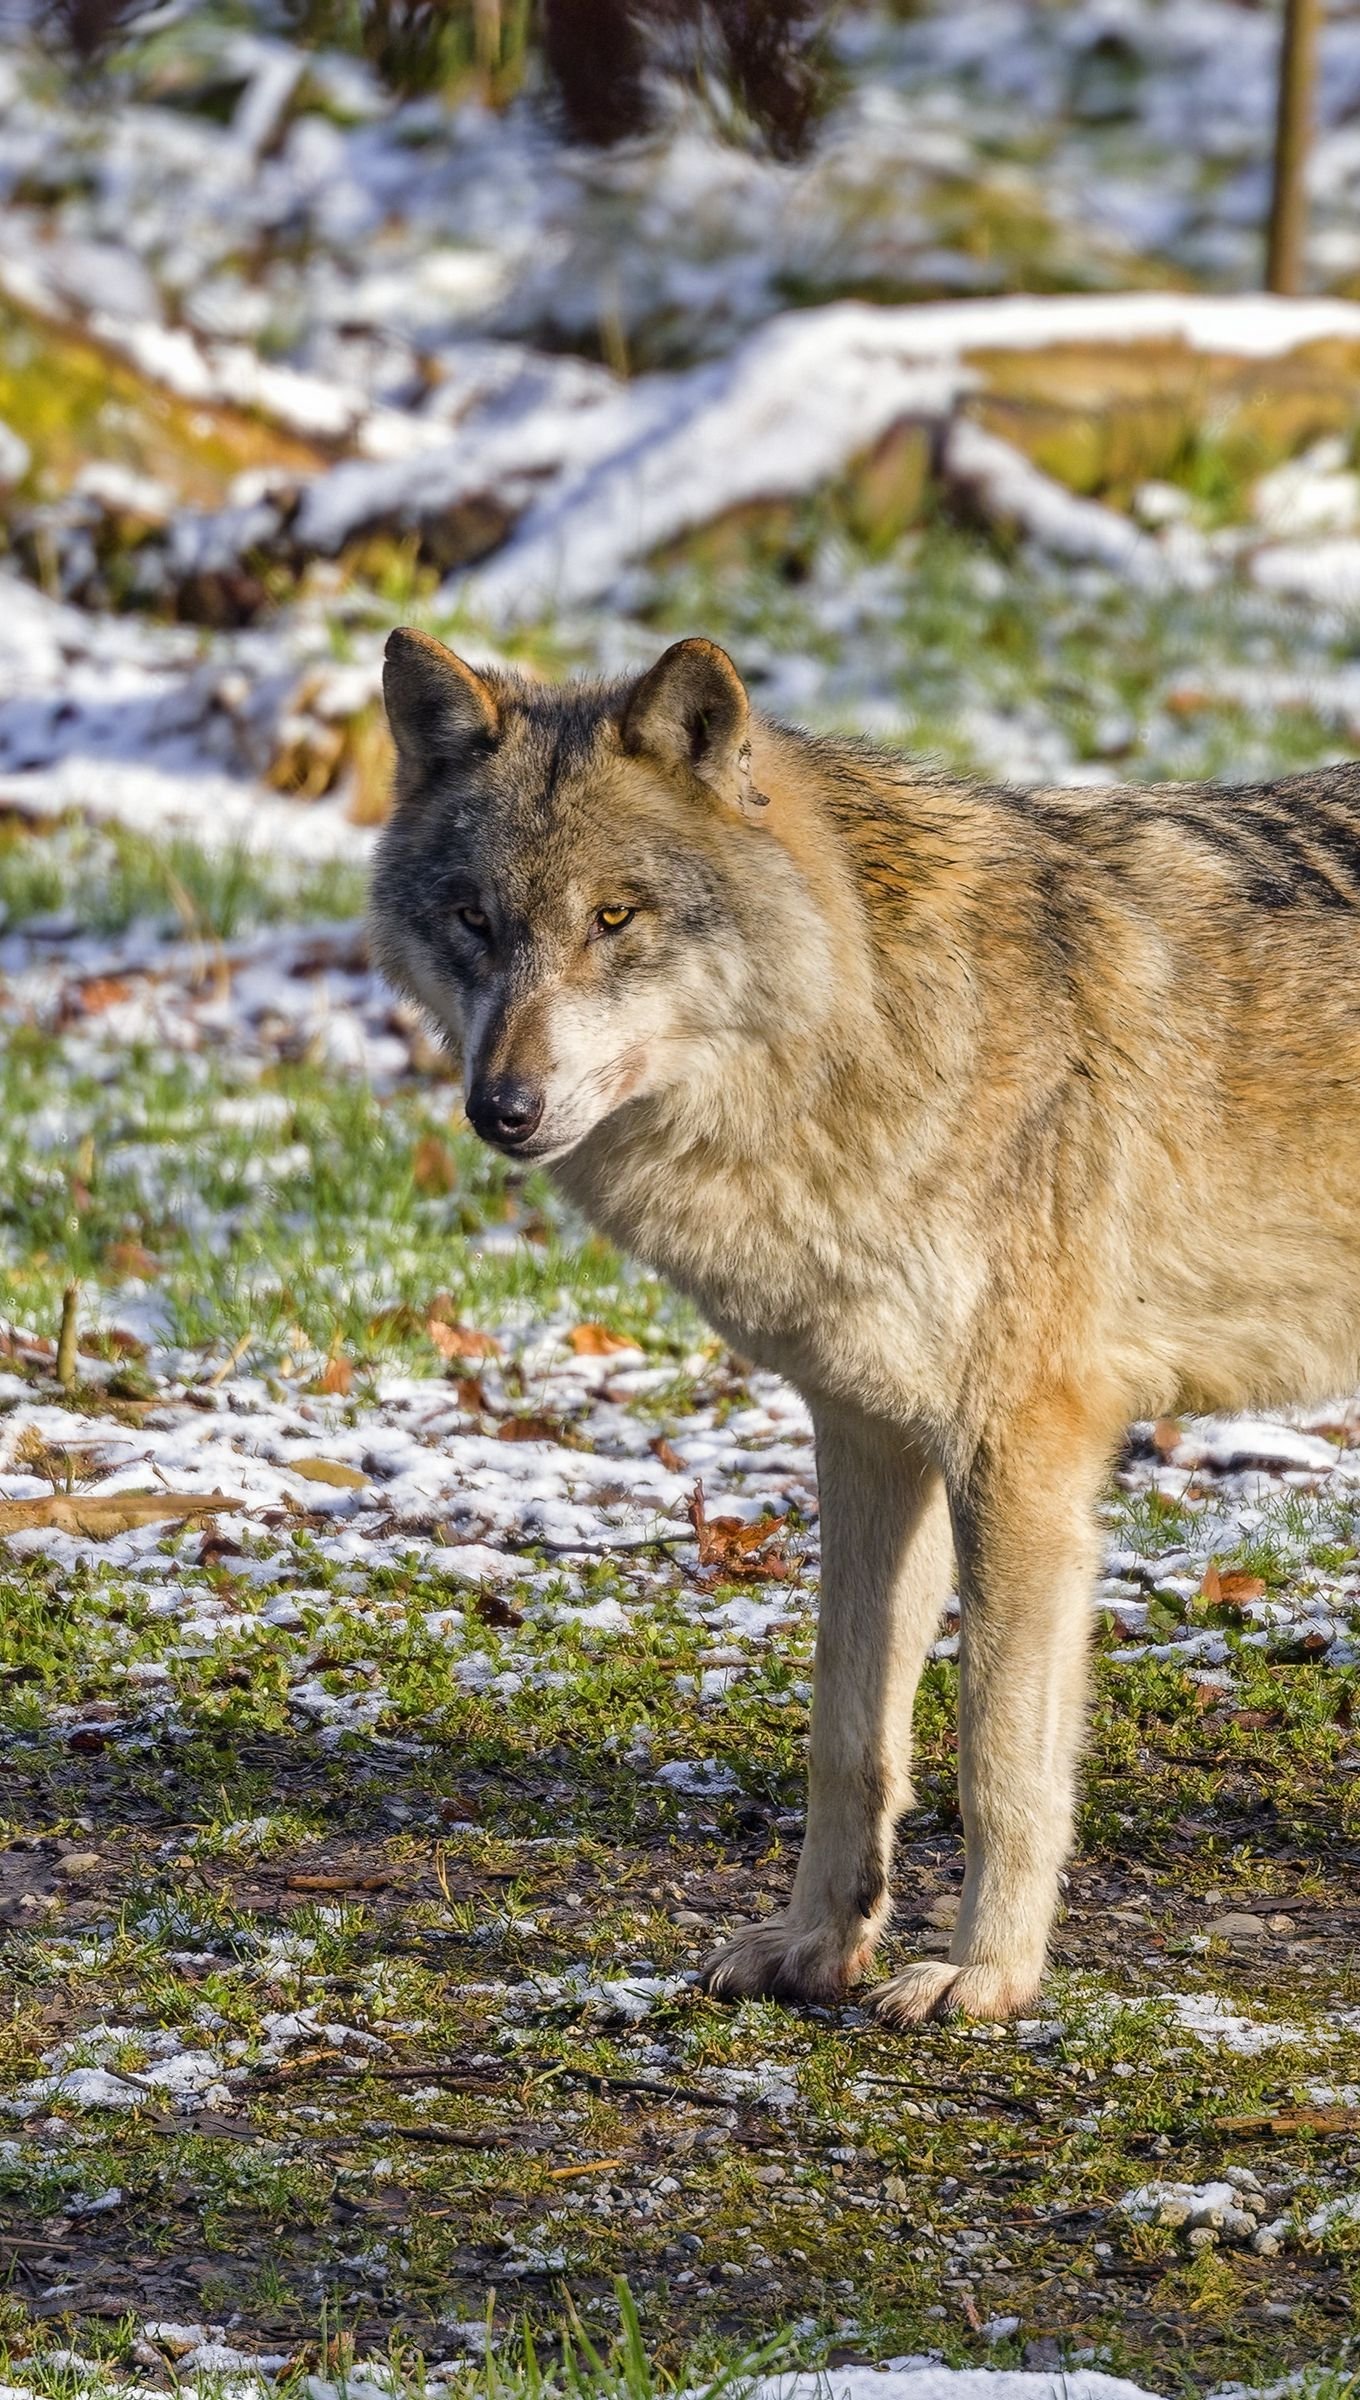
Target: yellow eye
{"x":473,"y":918}
{"x":609,"y":920}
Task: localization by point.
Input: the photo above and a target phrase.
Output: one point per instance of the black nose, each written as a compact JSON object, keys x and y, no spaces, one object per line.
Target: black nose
{"x":506,"y":1113}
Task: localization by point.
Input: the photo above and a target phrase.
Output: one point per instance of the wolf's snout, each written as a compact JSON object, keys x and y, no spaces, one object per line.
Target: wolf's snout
{"x":507,"y":1113}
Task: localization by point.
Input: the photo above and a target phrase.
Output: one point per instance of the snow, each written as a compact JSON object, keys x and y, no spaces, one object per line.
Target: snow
{"x":933,"y":2382}
{"x":1214,"y":2022}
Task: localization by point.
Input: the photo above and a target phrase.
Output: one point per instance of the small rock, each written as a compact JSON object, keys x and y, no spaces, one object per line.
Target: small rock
{"x":79,"y":1862}
{"x":1044,"y":2354}
{"x":944,"y":1911}
{"x":1236,"y":1926}
{"x":1202,"y":2237}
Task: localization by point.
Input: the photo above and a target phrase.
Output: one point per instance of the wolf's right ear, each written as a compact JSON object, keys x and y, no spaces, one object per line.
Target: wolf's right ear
{"x":437,"y":707}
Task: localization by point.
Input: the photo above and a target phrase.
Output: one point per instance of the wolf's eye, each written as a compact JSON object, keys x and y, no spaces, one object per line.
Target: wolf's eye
{"x":475,"y":921}
{"x":613,"y":920}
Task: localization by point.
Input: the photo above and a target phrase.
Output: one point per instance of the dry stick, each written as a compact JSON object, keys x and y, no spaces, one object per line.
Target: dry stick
{"x":228,"y":1365}
{"x":66,"y":1338}
{"x":1293,"y":133}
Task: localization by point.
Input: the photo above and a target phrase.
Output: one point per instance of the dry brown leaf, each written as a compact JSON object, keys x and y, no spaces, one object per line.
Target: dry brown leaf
{"x":729,"y":1547}
{"x":1237,"y":1590}
{"x":433,"y":1166}
{"x":99,"y":1518}
{"x":328,"y":1470}
{"x":130,"y":1258}
{"x":528,"y":1429}
{"x":453,"y":1340}
{"x":492,"y":1610}
{"x":1166,"y":1436}
{"x":1229,"y":1587}
{"x":101,"y":992}
{"x":596,"y":1341}
{"x":336,"y":1376}
{"x":667,"y":1453}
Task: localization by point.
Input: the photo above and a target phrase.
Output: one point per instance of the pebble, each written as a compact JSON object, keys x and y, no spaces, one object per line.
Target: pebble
{"x":1236,"y":1926}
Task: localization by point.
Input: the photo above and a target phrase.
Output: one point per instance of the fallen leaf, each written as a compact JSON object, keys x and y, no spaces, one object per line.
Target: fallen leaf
{"x":336,"y":1376}
{"x":460,"y":1341}
{"x":214,"y":1546}
{"x":130,"y":1258}
{"x":667,"y":1453}
{"x":433,"y":1165}
{"x":596,"y":1341}
{"x":1256,"y":1720}
{"x":1237,"y":1590}
{"x":1229,"y":1587}
{"x":98,"y":1519}
{"x":729,"y":1547}
{"x":527,"y":1429}
{"x":1166,"y":1436}
{"x":327,"y":1470}
{"x":101,"y":992}
{"x":492,"y":1610}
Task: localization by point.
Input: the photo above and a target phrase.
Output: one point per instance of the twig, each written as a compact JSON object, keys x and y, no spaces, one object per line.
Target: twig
{"x":220,"y":1374}
{"x":66,"y":1338}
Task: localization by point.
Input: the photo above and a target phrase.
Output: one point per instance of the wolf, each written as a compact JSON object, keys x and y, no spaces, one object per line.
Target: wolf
{"x":991,"y":1118}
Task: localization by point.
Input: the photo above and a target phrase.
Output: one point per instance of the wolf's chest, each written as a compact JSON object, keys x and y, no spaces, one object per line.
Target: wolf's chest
{"x":832,"y":1282}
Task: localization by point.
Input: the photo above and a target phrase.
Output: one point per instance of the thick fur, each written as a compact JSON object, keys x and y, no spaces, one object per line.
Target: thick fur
{"x":991,"y":1119}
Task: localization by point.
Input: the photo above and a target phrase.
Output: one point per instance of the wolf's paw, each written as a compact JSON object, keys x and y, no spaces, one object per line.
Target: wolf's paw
{"x":781,"y":1960}
{"x":937,"y":1988}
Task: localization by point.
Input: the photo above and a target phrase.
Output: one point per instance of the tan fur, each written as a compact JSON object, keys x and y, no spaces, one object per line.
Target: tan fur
{"x":991,"y":1121}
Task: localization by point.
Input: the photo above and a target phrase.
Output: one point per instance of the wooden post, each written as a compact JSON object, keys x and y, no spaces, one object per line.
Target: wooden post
{"x":1293,"y":130}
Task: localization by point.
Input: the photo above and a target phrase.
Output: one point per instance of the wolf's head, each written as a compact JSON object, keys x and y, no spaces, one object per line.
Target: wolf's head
{"x":579,"y":884}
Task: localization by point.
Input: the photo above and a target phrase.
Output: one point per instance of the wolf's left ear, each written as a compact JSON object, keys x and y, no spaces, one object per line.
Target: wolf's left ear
{"x":691,"y":710}
{"x":437,"y":706}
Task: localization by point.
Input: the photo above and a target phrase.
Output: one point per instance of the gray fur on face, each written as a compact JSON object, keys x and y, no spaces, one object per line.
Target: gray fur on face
{"x":521,"y":803}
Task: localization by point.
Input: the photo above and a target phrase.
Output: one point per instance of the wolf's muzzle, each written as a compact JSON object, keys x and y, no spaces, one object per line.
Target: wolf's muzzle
{"x":506,"y":1113}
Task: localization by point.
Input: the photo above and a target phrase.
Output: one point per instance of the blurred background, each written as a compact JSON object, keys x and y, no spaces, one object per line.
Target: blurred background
{"x":562,"y":325}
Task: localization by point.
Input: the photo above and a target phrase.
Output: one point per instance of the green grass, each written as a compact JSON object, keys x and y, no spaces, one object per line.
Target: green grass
{"x":973,"y":656}
{"x":104,"y":878}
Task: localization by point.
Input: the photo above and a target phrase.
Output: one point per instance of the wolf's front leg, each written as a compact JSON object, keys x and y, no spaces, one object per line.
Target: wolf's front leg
{"x":1025,"y":1528}
{"x":886,"y":1557}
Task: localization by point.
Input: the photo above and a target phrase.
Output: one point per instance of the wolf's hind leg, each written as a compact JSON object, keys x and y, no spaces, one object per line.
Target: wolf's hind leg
{"x":1027,"y":1542}
{"x":886,"y":1557}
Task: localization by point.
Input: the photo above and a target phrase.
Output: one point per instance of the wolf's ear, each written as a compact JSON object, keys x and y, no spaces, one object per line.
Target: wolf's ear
{"x":691,"y":710}
{"x":436,"y":706}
